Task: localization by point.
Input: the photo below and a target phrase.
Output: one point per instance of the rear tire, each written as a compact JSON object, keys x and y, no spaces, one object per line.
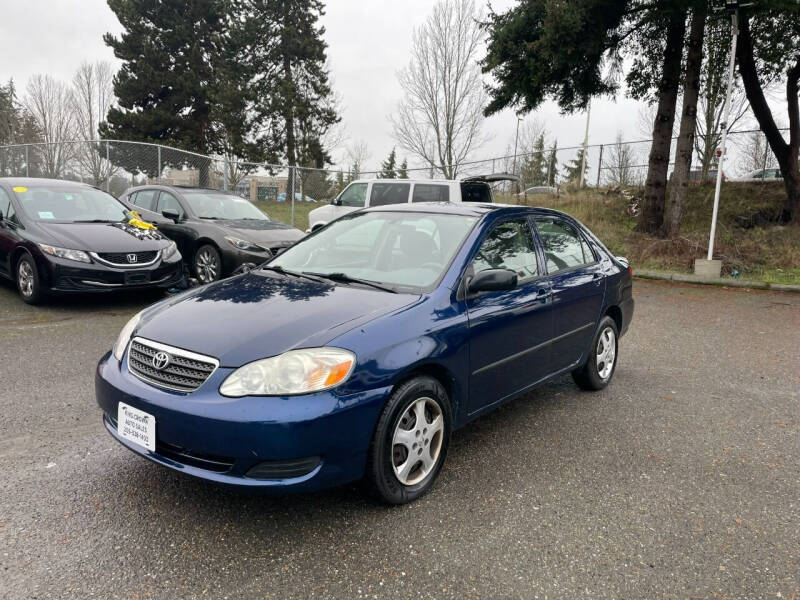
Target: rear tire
{"x":29,"y":284}
{"x":410,"y":442}
{"x":597,"y":371}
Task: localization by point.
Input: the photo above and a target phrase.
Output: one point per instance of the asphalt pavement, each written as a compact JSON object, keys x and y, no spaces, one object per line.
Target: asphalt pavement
{"x":680,"y":480}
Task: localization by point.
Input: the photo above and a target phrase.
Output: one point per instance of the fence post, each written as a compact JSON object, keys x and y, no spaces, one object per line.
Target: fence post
{"x":27,"y":163}
{"x":158,"y":178}
{"x":108,"y":173}
{"x":225,"y":173}
{"x":599,"y":165}
{"x":766,"y":155}
{"x":290,"y":189}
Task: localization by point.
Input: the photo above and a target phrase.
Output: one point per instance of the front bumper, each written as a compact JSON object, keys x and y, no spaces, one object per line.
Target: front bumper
{"x":71,"y":276}
{"x":221,"y":439}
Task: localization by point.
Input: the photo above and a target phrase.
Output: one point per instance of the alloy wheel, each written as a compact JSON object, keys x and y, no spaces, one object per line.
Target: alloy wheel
{"x":26,"y":278}
{"x":417,"y":441}
{"x":606,"y":352}
{"x":207,"y":266}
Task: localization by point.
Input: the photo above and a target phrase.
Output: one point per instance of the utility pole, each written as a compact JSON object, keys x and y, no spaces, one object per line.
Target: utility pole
{"x":516,"y":138}
{"x":585,"y":142}
{"x":724,"y":125}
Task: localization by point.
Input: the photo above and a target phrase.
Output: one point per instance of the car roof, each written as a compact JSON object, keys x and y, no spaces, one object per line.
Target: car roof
{"x":179,"y":188}
{"x":433,"y":181}
{"x":38,"y":181}
{"x":473,"y":209}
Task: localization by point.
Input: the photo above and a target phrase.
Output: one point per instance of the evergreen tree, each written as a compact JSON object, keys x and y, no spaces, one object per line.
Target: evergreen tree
{"x":178,"y":84}
{"x":402,"y":172}
{"x":534,"y":169}
{"x":294,"y":100}
{"x":552,"y":164}
{"x":17,"y":126}
{"x":388,"y":167}
{"x":572,"y":169}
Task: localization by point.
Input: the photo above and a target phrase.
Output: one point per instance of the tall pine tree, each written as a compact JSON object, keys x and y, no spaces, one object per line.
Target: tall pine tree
{"x":572,"y":169}
{"x":389,"y":167}
{"x":177,"y":84}
{"x":534,"y":169}
{"x":402,"y":172}
{"x":294,"y":100}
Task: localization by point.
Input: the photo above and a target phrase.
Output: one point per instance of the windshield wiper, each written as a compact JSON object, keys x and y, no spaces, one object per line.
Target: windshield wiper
{"x":94,"y":221}
{"x":282,"y":271}
{"x":345,"y":278}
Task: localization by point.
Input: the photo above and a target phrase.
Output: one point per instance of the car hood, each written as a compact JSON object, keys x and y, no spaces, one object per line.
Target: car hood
{"x":102,"y":237}
{"x":258,"y":315}
{"x":263,"y":232}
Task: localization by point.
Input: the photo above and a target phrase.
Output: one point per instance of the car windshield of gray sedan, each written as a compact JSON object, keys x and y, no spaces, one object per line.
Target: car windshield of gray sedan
{"x":394,"y":249}
{"x":63,"y":204}
{"x":210,"y":205}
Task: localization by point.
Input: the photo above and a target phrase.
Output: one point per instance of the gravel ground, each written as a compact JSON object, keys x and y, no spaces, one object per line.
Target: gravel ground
{"x":680,"y":480}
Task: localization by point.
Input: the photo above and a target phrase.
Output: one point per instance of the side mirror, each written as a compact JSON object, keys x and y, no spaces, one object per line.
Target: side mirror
{"x":493,"y":280}
{"x":171,"y":214}
{"x":336,"y":202}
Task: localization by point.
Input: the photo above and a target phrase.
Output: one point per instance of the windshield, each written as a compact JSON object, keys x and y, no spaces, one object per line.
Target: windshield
{"x":396,"y":249}
{"x":69,"y":204}
{"x":214,"y":205}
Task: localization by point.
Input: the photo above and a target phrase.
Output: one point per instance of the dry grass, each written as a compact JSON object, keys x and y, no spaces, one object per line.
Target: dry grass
{"x":769,"y":253}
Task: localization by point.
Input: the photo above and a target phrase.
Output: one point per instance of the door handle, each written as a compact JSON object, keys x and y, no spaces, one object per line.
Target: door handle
{"x":543,"y":294}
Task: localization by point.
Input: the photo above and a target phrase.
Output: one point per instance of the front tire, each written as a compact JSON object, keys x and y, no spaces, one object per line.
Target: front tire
{"x":29,"y":284}
{"x":410,"y":442}
{"x":207,"y":264}
{"x":597,"y":371}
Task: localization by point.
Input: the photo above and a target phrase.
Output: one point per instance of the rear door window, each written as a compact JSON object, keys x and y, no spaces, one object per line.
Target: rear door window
{"x":144,"y":199}
{"x":564,"y":246}
{"x":424,"y":192}
{"x":389,"y":193}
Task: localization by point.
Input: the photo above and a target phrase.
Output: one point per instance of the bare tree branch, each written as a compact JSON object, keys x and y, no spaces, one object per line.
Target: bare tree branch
{"x":49,"y":102}
{"x":440,"y":118}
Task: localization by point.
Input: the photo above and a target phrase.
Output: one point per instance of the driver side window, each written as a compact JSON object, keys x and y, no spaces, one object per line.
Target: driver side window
{"x":355,"y":195}
{"x":167,"y":201}
{"x":508,"y":246}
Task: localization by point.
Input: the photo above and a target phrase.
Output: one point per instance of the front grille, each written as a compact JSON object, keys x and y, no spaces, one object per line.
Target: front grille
{"x":121,"y":258}
{"x":185,"y":371}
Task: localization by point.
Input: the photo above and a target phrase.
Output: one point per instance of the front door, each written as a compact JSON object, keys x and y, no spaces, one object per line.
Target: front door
{"x":578,"y":287}
{"x":8,"y":232}
{"x":508,"y":330}
{"x":179,"y":233}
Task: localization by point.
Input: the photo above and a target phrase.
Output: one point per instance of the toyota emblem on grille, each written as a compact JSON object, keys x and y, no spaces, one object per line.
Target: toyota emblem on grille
{"x":161,"y":360}
{"x":132,"y":258}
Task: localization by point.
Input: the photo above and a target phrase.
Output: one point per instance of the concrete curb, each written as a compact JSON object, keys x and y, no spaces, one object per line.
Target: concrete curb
{"x":720,"y":281}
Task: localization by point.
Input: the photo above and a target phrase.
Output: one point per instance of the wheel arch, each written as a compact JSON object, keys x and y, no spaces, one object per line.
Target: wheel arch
{"x":615,"y":313}
{"x":441,"y":374}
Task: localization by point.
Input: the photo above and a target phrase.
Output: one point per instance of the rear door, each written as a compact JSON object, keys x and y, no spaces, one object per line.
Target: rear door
{"x":578,"y":286}
{"x":509,"y":331}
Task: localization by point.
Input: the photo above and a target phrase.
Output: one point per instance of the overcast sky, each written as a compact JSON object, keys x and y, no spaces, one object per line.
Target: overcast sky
{"x":368,"y":41}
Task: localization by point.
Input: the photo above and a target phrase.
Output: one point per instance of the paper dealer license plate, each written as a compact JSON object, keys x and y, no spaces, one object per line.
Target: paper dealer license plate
{"x":136,"y":426}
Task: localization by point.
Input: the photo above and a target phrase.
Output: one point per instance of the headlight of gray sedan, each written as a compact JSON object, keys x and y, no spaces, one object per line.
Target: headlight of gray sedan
{"x":244,"y":244}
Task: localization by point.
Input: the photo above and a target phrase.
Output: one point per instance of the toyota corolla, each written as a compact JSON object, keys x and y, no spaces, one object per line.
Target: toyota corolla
{"x":357,"y":352}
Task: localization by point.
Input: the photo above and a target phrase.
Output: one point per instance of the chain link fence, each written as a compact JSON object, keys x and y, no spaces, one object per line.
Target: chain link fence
{"x":289,"y":193}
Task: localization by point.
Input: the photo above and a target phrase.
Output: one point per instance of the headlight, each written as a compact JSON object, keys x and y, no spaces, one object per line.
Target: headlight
{"x":171,"y":252}
{"x":294,"y":372}
{"x":244,"y":244}
{"x":125,"y":336}
{"x":78,"y":255}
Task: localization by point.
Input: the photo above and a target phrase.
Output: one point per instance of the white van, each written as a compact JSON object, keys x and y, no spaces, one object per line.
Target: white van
{"x":379,"y":192}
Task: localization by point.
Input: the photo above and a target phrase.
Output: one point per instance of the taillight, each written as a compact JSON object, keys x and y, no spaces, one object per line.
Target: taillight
{"x":630,"y":270}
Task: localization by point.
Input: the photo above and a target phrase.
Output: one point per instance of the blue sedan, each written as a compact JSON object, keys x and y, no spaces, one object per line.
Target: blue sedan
{"x":357,"y":352}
